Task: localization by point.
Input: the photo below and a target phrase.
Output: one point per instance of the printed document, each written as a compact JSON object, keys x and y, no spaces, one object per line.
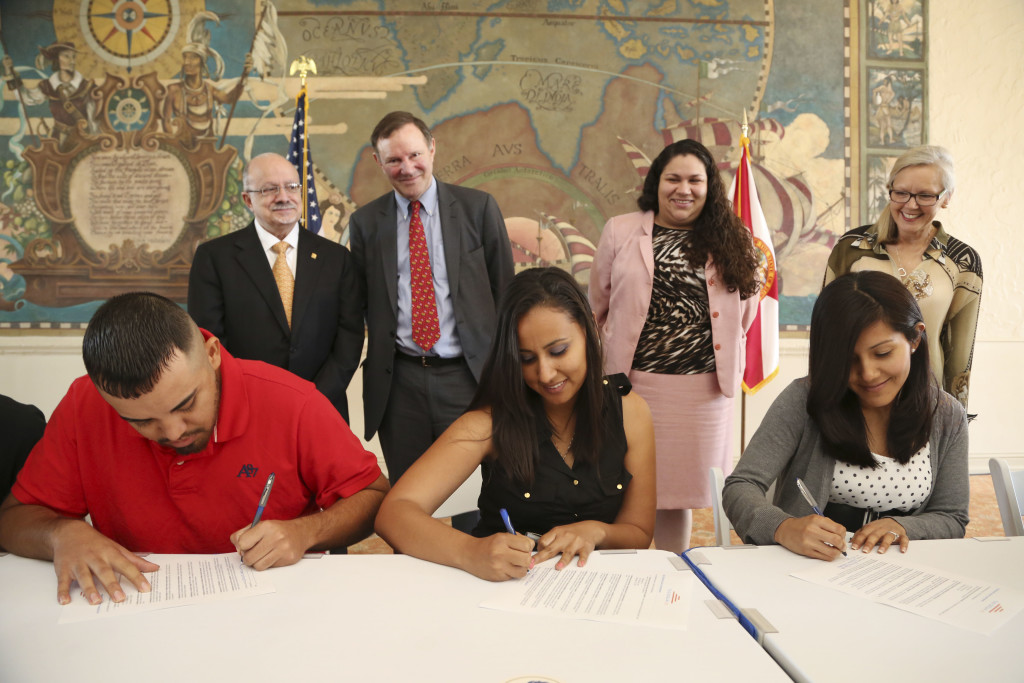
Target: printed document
{"x":964,"y":602}
{"x":181,"y":580}
{"x":659,"y":599}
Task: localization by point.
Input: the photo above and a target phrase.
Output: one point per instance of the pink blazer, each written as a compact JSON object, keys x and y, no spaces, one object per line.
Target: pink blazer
{"x":621,"y":279}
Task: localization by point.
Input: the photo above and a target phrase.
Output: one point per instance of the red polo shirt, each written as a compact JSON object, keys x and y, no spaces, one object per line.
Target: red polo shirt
{"x":149,"y":498}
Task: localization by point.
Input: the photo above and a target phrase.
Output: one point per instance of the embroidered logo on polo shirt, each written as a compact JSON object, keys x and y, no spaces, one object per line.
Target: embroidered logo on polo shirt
{"x":247,"y":471}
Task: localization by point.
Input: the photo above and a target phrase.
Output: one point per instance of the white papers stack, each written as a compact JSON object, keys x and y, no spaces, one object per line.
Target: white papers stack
{"x":652,"y":598}
{"x":961,"y":601}
{"x":181,"y":580}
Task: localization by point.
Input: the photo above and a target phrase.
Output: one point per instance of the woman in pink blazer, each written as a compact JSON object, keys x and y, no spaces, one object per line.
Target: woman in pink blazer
{"x":674,"y":290}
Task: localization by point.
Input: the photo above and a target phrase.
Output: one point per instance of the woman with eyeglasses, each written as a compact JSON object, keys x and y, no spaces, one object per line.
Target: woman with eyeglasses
{"x":943,"y":273}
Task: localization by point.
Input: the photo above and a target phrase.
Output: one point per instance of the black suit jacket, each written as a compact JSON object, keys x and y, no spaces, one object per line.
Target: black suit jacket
{"x":232,"y":293}
{"x":478,"y":257}
{"x":22,"y":426}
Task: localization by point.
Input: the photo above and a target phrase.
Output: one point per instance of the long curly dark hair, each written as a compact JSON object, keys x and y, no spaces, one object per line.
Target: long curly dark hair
{"x":718,"y":231}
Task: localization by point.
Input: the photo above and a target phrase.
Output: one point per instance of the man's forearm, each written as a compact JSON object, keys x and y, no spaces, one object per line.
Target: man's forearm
{"x":28,"y":530}
{"x":348,"y":520}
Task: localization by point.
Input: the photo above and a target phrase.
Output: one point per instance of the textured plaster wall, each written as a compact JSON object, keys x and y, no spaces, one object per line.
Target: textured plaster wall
{"x":976,"y":93}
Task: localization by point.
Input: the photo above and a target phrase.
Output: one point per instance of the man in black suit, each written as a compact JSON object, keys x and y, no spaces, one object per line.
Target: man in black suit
{"x":413,"y":390}
{"x":233,"y":293}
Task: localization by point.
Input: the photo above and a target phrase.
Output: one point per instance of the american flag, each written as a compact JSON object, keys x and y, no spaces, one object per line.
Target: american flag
{"x":302,"y":158}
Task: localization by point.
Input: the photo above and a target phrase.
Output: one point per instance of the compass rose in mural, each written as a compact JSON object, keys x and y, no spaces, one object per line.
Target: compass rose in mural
{"x":129,"y":33}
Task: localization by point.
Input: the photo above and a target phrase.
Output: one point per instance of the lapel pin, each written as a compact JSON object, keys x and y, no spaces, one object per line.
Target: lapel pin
{"x":313,"y":255}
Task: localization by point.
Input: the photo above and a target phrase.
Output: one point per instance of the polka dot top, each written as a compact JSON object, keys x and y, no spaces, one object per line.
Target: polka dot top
{"x":891,"y":486}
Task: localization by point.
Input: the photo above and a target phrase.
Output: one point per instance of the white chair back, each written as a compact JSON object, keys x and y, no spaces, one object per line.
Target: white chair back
{"x":1009,"y":487}
{"x":722,"y":524}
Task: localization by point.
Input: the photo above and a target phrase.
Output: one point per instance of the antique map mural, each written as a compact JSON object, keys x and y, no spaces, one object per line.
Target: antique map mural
{"x":125,"y":123}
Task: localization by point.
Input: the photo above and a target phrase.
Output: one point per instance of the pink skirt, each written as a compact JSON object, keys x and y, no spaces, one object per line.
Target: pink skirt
{"x":692,"y":433}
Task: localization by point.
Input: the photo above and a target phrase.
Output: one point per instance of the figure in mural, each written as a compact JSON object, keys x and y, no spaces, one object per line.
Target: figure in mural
{"x":883,"y":96}
{"x":332,"y":226}
{"x":66,"y":90}
{"x":898,"y":22}
{"x":190,"y":106}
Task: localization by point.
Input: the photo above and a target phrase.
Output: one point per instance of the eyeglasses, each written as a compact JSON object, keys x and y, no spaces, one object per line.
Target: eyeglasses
{"x":290,"y":188}
{"x":923,"y":198}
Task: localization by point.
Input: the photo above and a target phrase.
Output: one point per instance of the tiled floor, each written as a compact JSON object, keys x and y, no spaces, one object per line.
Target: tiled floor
{"x":984,"y":520}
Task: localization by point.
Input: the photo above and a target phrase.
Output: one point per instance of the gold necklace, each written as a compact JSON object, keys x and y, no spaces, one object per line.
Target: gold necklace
{"x":901,"y":272}
{"x":568,"y":448}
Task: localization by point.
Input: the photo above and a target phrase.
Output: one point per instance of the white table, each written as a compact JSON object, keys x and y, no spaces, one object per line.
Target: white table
{"x":361,"y":617}
{"x":825,"y":635}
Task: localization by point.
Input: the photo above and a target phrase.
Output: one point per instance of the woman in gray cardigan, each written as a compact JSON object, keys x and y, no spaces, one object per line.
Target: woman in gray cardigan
{"x":881,"y":448}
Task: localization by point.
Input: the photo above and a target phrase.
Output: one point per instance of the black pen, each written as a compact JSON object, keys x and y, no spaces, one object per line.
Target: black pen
{"x":263,"y":500}
{"x":810,"y":501}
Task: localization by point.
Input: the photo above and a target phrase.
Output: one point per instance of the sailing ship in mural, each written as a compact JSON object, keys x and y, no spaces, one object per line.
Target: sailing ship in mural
{"x":550,"y":241}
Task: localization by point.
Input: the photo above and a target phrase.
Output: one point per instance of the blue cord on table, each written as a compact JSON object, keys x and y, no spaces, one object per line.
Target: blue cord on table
{"x":745,"y":622}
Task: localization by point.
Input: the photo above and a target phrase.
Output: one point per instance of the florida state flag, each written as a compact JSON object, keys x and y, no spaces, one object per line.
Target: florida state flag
{"x":763,"y":336}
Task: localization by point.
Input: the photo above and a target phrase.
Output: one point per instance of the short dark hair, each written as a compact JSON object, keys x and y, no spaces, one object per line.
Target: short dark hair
{"x":717,"y":232}
{"x":515,"y":409}
{"x":395,"y":120}
{"x":131,"y":339}
{"x":844,"y":309}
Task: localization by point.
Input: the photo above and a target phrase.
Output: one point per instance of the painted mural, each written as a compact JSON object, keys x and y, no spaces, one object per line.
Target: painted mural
{"x":124,"y":124}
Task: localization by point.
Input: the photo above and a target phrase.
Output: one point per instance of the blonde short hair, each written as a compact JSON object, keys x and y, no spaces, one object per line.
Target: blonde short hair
{"x":925,"y":155}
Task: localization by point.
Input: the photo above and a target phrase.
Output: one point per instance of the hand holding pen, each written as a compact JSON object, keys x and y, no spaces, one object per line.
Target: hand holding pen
{"x":814,"y":535}
{"x":500,"y":557}
{"x":814,"y":505}
{"x":264,"y":497}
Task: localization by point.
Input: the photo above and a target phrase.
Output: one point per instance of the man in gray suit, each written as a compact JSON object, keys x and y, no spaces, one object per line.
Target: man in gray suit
{"x":425,"y":352}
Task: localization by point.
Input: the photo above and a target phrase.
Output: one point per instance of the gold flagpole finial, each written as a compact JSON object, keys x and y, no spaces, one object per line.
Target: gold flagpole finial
{"x":303,"y":65}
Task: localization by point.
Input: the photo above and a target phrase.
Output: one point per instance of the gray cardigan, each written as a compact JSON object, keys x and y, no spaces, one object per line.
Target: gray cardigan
{"x":788,"y":445}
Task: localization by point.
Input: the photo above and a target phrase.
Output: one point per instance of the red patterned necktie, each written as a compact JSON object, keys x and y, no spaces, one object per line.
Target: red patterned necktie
{"x":425,"y":328}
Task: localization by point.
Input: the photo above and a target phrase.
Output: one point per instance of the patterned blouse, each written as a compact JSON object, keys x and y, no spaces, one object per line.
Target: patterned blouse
{"x":676,"y":338}
{"x":890,"y":486}
{"x":947,"y":286}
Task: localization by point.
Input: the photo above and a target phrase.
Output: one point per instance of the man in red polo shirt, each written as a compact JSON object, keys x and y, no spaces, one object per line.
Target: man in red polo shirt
{"x":168,"y":443}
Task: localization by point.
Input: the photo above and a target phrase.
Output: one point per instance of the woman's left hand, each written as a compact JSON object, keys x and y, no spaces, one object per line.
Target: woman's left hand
{"x":569,"y":540}
{"x":881,"y":532}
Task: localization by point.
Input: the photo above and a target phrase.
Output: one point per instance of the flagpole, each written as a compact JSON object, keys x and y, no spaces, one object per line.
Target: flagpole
{"x":304,"y":65}
{"x":762,"y":336}
{"x":234,"y":102}
{"x":743,"y":395}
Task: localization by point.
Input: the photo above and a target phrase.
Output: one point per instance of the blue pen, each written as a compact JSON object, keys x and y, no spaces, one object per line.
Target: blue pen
{"x":508,"y":523}
{"x":263,"y":500}
{"x":814,"y":505}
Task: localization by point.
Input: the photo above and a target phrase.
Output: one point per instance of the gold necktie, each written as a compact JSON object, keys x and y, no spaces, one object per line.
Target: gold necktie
{"x":284,"y":278}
